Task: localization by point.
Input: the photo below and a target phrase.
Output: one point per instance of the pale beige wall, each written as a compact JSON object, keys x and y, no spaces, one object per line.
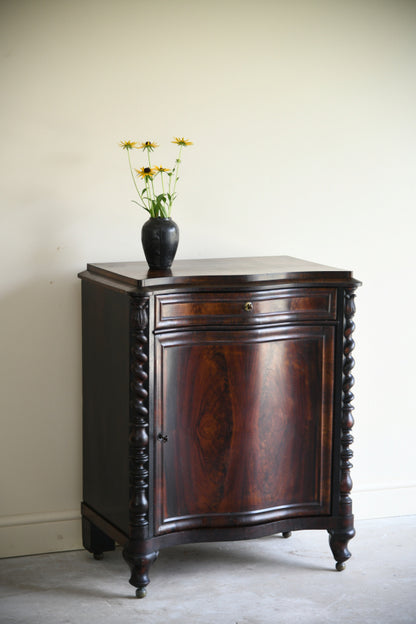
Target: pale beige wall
{"x":303,"y":118}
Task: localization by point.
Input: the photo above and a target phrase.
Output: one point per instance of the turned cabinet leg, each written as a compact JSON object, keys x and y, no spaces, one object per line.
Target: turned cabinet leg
{"x":94,"y":540}
{"x":338,"y":541}
{"x":139,"y":567}
{"x":287,"y":534}
{"x":339,"y":537}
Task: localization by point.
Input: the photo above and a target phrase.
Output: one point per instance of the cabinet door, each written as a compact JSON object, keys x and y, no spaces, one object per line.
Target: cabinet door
{"x":247,"y":423}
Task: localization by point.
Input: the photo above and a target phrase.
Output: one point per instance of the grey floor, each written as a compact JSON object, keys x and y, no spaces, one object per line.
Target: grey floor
{"x":269,"y":580}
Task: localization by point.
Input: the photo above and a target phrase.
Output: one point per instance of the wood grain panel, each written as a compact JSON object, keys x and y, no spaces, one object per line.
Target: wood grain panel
{"x":248,"y":420}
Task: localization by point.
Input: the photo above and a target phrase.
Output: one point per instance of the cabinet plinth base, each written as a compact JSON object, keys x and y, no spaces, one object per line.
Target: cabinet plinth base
{"x":94,"y":540}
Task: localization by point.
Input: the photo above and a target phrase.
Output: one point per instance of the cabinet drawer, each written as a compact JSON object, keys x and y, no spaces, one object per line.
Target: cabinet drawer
{"x":245,"y":308}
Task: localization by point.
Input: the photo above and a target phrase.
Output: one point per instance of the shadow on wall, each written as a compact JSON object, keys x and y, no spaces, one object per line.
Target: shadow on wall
{"x":41,"y":395}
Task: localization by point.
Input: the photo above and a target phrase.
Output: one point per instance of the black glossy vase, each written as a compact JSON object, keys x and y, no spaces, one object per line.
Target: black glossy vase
{"x":160,"y":238}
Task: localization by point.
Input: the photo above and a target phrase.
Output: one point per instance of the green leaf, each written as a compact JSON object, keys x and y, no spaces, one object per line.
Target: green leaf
{"x":141,"y":205}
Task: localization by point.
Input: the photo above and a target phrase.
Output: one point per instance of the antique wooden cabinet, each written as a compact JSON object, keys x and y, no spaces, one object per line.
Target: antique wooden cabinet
{"x":217,"y":404}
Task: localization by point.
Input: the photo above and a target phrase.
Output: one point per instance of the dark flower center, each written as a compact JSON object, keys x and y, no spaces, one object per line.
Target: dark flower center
{"x":148,"y":143}
{"x":147,"y":169}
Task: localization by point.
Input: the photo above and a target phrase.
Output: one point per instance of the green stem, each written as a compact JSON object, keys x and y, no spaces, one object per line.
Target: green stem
{"x":151,"y":179}
{"x":170,"y":181}
{"x":148,"y":199}
{"x":178,"y":162}
{"x":132,"y":174}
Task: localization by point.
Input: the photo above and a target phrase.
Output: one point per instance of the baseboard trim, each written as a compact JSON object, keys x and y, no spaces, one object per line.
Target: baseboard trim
{"x":384,"y":500}
{"x":38,"y":533}
{"x":39,"y":518}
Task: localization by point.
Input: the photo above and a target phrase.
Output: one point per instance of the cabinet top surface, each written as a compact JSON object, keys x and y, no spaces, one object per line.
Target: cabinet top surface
{"x":205,"y":272}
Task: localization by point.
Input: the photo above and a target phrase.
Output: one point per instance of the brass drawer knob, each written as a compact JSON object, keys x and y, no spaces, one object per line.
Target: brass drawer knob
{"x":247,"y":307}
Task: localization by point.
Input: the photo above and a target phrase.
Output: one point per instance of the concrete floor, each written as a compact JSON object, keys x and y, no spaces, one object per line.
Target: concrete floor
{"x":266,"y":581}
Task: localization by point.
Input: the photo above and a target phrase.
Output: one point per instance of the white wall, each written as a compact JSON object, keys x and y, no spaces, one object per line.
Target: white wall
{"x":303,"y":118}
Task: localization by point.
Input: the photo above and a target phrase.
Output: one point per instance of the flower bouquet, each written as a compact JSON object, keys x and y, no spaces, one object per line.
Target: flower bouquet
{"x":160,"y":234}
{"x":155,"y":203}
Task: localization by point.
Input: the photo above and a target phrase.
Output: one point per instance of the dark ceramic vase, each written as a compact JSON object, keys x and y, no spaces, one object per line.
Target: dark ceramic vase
{"x":160,"y":238}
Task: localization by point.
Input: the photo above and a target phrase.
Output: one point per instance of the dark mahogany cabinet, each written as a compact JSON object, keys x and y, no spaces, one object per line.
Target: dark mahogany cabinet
{"x":216,"y":404}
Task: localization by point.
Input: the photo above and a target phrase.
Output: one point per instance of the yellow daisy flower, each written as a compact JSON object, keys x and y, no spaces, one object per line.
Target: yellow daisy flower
{"x":128,"y":145}
{"x":146,"y":172}
{"x":182,"y":141}
{"x":161,"y":169}
{"x":148,"y":145}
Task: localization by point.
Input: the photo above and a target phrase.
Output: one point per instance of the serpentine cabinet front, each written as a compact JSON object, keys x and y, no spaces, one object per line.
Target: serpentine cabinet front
{"x":216,"y":406}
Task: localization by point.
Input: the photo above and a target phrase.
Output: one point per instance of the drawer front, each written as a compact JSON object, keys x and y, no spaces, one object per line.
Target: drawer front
{"x":259,"y":307}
